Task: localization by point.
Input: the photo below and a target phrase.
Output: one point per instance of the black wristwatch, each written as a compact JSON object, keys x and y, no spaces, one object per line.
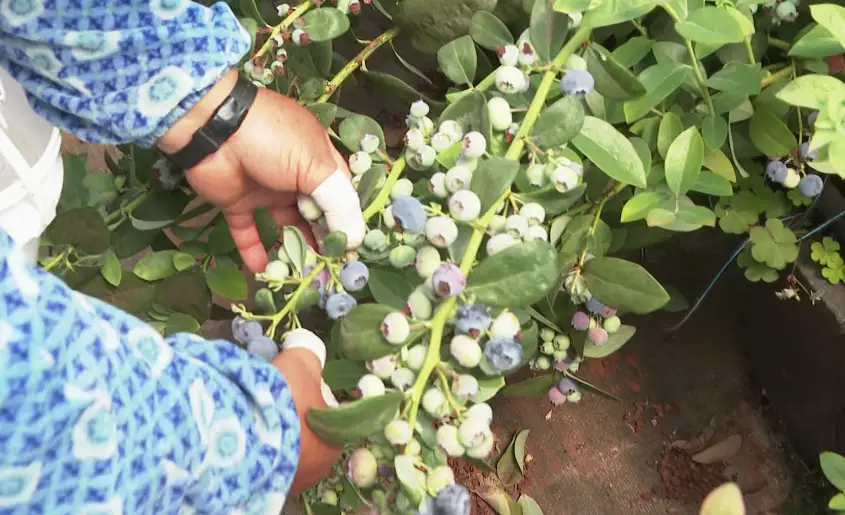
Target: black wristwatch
{"x":224,"y":122}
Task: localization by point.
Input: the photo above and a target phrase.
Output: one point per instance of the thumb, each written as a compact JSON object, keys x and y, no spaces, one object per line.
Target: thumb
{"x":329,"y":185}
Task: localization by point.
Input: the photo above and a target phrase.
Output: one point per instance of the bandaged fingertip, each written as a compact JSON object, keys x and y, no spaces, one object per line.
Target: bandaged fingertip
{"x":342,"y":208}
{"x":328,"y":396}
{"x":305,"y":339}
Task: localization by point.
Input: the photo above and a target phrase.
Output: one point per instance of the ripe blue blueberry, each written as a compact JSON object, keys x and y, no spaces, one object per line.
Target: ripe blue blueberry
{"x":354,"y":275}
{"x":339,"y":305}
{"x":580,"y":321}
{"x":567,"y":385}
{"x":453,"y":500}
{"x":263,"y":346}
{"x":806,"y":153}
{"x":473,"y":319}
{"x":811,"y":185}
{"x":448,"y":280}
{"x":577,"y":82}
{"x":503,"y":354}
{"x":776,"y":171}
{"x":594,"y":306}
{"x":409,"y":214}
{"x":246,"y":330}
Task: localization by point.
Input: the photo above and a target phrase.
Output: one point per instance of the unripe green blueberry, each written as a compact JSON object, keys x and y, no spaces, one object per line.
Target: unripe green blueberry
{"x":464,"y":206}
{"x":612,"y":324}
{"x":426,"y":156}
{"x":403,"y":188}
{"x":360,"y":162}
{"x":474,"y":144}
{"x":362,"y":468}
{"x":544,"y":363}
{"x":413,"y":448}
{"x":536,"y":174}
{"x":402,"y":378}
{"x":383,"y":367}
{"x":329,"y":497}
{"x":458,"y":178}
{"x":413,"y":239}
{"x":441,"y":231}
{"x":465,"y":386}
{"x":508,"y":55}
{"x":500,"y":242}
{"x":441,"y":141}
{"x":425,"y":125}
{"x":402,"y":256}
{"x":465,"y":351}
{"x":308,"y":208}
{"x":439,"y":478}
{"x":533,"y":212}
{"x":428,"y":259}
{"x":433,"y":402}
{"x":447,"y":439}
{"x":506,"y":325}
{"x":376,"y":240}
{"x":564,"y":178}
{"x":419,"y":305}
{"x":437,"y":185}
{"x":370,"y":143}
{"x":480,"y":410}
{"x":500,"y":113}
{"x":536,"y":233}
{"x":370,"y":386}
{"x":416,"y":357}
{"x":398,"y":432}
{"x":473,"y":431}
{"x":786,"y":12}
{"x":395,"y":328}
{"x":516,"y":226}
{"x":470,"y":163}
{"x":509,"y":80}
{"x":547,"y":348}
{"x":574,"y":366}
{"x":276,"y":271}
{"x":575,"y":62}
{"x":547,"y":334}
{"x":574,"y":396}
{"x":561,"y":342}
{"x":559,"y":355}
{"x":414,"y":139}
{"x":792,"y":178}
{"x":482,"y":450}
{"x":419,"y":109}
{"x":497,"y":224}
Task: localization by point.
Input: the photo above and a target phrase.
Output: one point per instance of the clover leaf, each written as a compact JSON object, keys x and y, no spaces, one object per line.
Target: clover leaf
{"x":797,"y":198}
{"x":754,"y":270}
{"x":818,"y":253}
{"x":834,"y":275}
{"x":736,"y":214}
{"x":773,"y":244}
{"x":830,"y":244}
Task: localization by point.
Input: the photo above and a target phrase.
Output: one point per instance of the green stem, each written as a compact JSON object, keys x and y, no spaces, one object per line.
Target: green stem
{"x":291,"y":304}
{"x":357,"y":62}
{"x":779,"y":43}
{"x":486,"y":82}
{"x":298,"y":11}
{"x":750,"y":51}
{"x":441,"y":315}
{"x":771,"y":79}
{"x":699,"y":78}
{"x":384,"y":194}
{"x":57,"y":259}
{"x":129,"y":208}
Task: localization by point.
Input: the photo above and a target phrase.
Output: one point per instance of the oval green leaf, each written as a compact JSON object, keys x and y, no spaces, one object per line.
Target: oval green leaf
{"x":683,"y":161}
{"x":325,"y":23}
{"x":226,"y":280}
{"x":82,"y":228}
{"x":458,"y":60}
{"x":624,"y":285}
{"x":770,"y":135}
{"x":354,"y":421}
{"x":156,"y":266}
{"x":515,"y":277}
{"x":489,"y":32}
{"x":610,"y":151}
{"x":559,"y":123}
{"x":711,"y":25}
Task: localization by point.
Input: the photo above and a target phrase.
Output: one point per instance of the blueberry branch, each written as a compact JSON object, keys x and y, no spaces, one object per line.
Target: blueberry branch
{"x":284,"y":24}
{"x":514,"y":153}
{"x":384,"y":194}
{"x":356,"y":63}
{"x":699,"y":78}
{"x":294,"y":299}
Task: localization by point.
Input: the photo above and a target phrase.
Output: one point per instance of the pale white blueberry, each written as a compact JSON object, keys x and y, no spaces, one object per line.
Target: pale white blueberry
{"x":536,"y":175}
{"x":439,"y":478}
{"x":574,"y":396}
{"x":398,"y":432}
{"x":501,"y":116}
{"x":465,"y":350}
{"x":516,"y":226}
{"x":441,"y":141}
{"x":562,"y":342}
{"x":565,"y":178}
{"x":428,"y":259}
{"x":458,"y":178}
{"x":533,"y":212}
{"x":447,"y":439}
{"x":575,"y":62}
{"x":419,"y":306}
{"x":416,"y":357}
{"x":483,"y":449}
{"x":276,"y":271}
{"x":419,"y":109}
{"x":433,"y":402}
{"x":414,"y":139}
{"x":388,"y":218}
{"x":792,"y":179}
{"x":370,"y":386}
{"x":536,"y":233}
{"x":527,"y":54}
{"x":441,"y":231}
{"x":300,"y":37}
{"x":473,"y":431}
{"x":474,"y":144}
{"x":506,"y":325}
{"x":508,"y":55}
{"x":360,"y":162}
{"x":383,"y":367}
{"x":308,"y":208}
{"x":612,"y":324}
{"x":786,"y":11}
{"x":282,"y":10}
{"x":465,"y":386}
{"x":497,"y":224}
{"x":437,"y":185}
{"x":402,"y":378}
{"x":370,"y":143}
{"x":464,"y":206}
{"x":500,"y":242}
{"x":451,"y":128}
{"x":576,"y":18}
{"x":426,"y":156}
{"x":480,"y":410}
{"x":277,"y":68}
{"x":403,"y":188}
{"x":510,"y":80}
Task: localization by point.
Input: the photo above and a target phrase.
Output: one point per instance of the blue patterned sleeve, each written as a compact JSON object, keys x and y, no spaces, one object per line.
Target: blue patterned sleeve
{"x":100,"y":414}
{"x":117,"y":71}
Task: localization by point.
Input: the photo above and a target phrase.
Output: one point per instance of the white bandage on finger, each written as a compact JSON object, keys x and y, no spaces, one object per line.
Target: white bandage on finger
{"x":328,"y":396}
{"x":340,"y":203}
{"x":305,"y":339}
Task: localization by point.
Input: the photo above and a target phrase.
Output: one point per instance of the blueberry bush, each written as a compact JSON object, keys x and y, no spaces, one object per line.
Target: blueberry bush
{"x":499,"y":234}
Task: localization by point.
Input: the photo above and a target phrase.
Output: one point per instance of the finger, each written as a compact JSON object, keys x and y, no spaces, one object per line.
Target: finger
{"x":305,"y":339}
{"x":340,"y":204}
{"x":247,"y":240}
{"x":339,"y":161}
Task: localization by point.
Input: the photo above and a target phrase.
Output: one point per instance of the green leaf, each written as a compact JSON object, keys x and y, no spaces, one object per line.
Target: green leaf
{"x":571,"y":6}
{"x":226,"y":280}
{"x":354,"y":421}
{"x":831,"y":17}
{"x":510,"y":468}
{"x":160,"y":210}
{"x":250,"y":8}
{"x":492,"y":178}
{"x":354,"y":128}
{"x":683,"y":161}
{"x":559,"y":123}
{"x":833,"y":466}
{"x":632,"y":51}
{"x":639,"y":205}
{"x":156,"y":266}
{"x":547,"y":30}
{"x":660,"y":81}
{"x":711,"y":25}
{"x":773,"y":244}
{"x":529,"y":505}
{"x":613,"y":80}
{"x":343,"y":374}
{"x":310,"y":63}
{"x":379,"y":83}
{"x":725,"y":500}
{"x":489,"y":32}
{"x":610,"y":151}
{"x":717,"y":162}
{"x":611,"y":12}
{"x":500,"y":501}
{"x":811,"y":91}
{"x":411,"y":478}
{"x":183,"y":261}
{"x":613,"y":344}
{"x":624,"y":285}
{"x":181,"y":323}
{"x":458,"y":60}
{"x":816,"y":43}
{"x":133,"y":295}
{"x":671,"y":127}
{"x":186,"y":292}
{"x":251,"y":27}
{"x":325,"y":23}
{"x":515,"y":277}
{"x":295,"y":247}
{"x":471,"y":113}
{"x":770,"y":135}
{"x":738,"y":78}
{"x":360,"y":333}
{"x":714,"y":130}
{"x":82,"y":228}
{"x":712,"y":184}
{"x":578,"y":236}
{"x":74,"y":194}
{"x":389,"y":287}
{"x":110,"y":268}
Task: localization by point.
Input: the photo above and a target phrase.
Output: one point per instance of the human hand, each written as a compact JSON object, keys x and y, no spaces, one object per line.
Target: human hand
{"x":302,"y":368}
{"x":280,"y":151}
